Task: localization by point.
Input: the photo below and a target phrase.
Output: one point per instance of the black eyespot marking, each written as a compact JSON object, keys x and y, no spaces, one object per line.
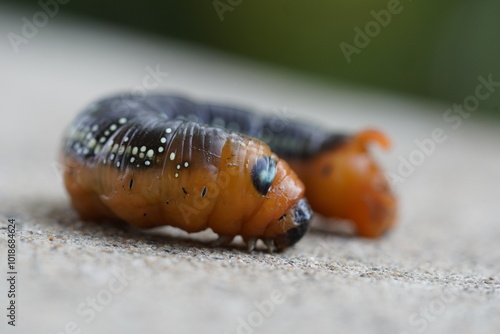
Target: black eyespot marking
{"x":204,"y":192}
{"x":131,"y":184}
{"x":263,"y":174}
{"x":185,"y":191}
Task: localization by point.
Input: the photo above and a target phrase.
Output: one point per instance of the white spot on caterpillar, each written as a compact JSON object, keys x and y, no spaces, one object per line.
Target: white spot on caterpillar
{"x":176,"y":174}
{"x":112,"y":127}
{"x":147,"y":162}
{"x":92,"y":143}
{"x":178,"y":166}
{"x":160,"y":149}
{"x":135,"y":150}
{"x":186,"y":164}
{"x":163,"y":140}
{"x":132,"y":159}
{"x":168,"y":130}
{"x":172,"y":156}
{"x":122,"y":120}
{"x":150,"y":153}
{"x":143,"y":149}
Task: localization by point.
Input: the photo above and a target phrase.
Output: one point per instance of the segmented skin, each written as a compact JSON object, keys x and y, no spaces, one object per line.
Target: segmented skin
{"x":164,"y":160}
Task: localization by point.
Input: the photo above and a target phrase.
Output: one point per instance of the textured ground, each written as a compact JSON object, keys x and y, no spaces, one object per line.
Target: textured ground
{"x":438,"y":272}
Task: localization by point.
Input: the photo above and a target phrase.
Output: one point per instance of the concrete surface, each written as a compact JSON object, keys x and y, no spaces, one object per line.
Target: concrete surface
{"x":438,"y":272}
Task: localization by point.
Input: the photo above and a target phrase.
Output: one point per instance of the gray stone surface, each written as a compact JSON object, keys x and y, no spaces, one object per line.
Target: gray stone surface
{"x":437,"y":272}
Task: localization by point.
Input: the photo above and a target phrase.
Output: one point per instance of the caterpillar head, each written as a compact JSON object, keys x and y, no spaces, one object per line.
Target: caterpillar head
{"x":298,"y":217}
{"x":284,"y":207}
{"x":358,"y":190}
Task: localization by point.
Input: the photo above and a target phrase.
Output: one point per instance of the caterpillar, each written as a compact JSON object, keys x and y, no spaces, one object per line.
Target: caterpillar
{"x":164,"y":160}
{"x":168,"y":160}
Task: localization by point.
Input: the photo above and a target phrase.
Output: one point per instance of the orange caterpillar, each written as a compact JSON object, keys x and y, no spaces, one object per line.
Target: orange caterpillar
{"x":167,"y":160}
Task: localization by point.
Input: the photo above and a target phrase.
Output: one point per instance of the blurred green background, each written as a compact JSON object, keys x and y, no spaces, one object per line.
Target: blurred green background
{"x":435,"y":49}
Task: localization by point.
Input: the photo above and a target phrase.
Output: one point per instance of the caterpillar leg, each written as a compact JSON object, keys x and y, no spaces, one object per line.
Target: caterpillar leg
{"x":222,"y":240}
{"x":269,"y":244}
